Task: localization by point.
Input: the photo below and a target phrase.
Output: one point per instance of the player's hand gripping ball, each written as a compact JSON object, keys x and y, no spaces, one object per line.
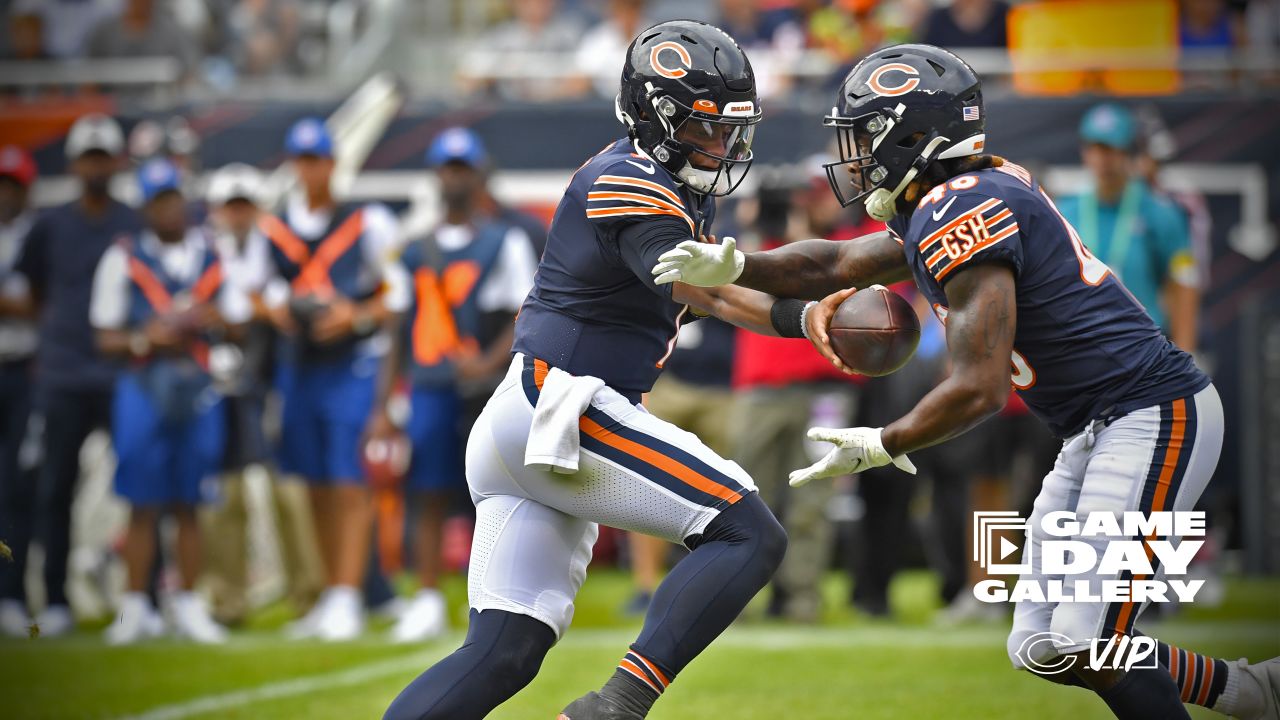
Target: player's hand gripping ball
{"x":871,"y":332}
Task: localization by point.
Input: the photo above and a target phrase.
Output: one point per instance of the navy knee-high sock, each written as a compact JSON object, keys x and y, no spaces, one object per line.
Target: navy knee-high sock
{"x":501,"y":655}
{"x":731,"y":561}
{"x":1145,"y":694}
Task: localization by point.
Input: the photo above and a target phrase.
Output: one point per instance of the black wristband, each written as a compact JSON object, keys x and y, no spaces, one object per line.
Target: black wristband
{"x":786,"y":317}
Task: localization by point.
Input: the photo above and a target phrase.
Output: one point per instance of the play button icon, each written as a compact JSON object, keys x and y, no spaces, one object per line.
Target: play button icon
{"x":1007,"y":548}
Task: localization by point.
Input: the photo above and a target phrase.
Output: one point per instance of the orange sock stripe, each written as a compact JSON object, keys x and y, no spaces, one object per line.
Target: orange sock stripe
{"x":1206,"y":682}
{"x":656,"y":672}
{"x":635,"y":670}
{"x":1193,"y":668}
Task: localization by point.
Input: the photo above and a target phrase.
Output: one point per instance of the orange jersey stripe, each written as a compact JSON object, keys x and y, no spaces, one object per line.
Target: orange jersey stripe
{"x":540,"y":370}
{"x":637,"y":182}
{"x":610,"y":212}
{"x":976,"y":248}
{"x":658,"y":460}
{"x":988,"y":223}
{"x":636,"y":197}
{"x":957,"y":222}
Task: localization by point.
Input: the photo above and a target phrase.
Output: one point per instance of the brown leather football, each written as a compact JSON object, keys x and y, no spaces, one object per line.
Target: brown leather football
{"x":874,"y":331}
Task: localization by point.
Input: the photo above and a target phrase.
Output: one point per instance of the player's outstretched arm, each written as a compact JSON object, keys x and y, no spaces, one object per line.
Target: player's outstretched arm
{"x":981,"y":321}
{"x":807,"y":269}
{"x":747,"y":309}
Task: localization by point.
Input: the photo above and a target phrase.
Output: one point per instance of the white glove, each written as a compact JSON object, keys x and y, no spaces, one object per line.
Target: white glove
{"x":856,"y":449}
{"x":699,"y":263}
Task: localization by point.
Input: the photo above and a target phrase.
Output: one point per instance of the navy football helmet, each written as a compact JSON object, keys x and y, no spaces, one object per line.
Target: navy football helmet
{"x":898,"y":110}
{"x":687,"y":91}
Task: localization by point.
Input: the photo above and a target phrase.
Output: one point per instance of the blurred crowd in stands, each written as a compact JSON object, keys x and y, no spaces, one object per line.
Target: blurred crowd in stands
{"x":539,"y":50}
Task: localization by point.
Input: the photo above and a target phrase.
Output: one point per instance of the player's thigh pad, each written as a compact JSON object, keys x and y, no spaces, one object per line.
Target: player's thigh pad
{"x":528,"y":559}
{"x":636,"y":472}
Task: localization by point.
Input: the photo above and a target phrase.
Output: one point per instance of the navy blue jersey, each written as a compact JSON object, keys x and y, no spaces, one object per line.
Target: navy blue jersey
{"x":594,"y":308}
{"x":1084,"y":348}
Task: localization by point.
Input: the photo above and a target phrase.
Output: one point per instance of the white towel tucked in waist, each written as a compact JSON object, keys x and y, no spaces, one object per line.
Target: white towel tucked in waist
{"x":553,"y":436}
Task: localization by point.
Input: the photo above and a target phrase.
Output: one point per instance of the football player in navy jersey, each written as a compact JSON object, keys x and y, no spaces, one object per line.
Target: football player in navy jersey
{"x":1025,"y":305}
{"x":592,"y":336}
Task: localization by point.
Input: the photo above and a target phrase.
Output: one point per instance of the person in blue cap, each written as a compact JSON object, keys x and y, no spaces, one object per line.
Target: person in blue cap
{"x":470,"y":274}
{"x":333,"y":289}
{"x":158,"y":304}
{"x":1141,"y":235}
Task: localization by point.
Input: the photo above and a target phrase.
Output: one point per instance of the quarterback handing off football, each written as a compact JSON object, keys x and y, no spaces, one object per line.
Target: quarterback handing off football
{"x":874,"y":331}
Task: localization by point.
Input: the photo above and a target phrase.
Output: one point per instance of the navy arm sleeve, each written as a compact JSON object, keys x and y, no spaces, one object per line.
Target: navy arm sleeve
{"x":640,"y":244}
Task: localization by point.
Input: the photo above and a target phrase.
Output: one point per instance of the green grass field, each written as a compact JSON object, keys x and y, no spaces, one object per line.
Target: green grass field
{"x":849,"y":667}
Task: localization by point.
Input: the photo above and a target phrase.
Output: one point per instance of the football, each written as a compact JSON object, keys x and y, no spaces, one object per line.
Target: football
{"x":874,"y":331}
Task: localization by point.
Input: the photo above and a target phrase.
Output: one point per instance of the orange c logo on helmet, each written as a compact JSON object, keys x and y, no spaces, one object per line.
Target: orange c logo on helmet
{"x":907,"y":85}
{"x":655,"y":59}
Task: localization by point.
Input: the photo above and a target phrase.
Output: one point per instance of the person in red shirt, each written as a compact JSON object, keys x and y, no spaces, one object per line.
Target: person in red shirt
{"x":784,"y":388}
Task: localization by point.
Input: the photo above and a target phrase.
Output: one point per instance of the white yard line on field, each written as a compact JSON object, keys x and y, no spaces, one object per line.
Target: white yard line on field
{"x":297,"y":686}
{"x":749,"y":637}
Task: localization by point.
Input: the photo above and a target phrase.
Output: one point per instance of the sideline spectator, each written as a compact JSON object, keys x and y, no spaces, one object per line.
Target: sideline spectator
{"x":784,"y":388}
{"x":158,"y":302}
{"x":331,"y":262}
{"x":603,"y":50}
{"x":244,"y":377}
{"x":17,"y":348}
{"x":1209,"y":25}
{"x":73,"y":382}
{"x":66,"y":24}
{"x":470,"y":275}
{"x":1139,"y":234}
{"x":143,"y":30}
{"x":968,"y":24}
{"x":265,"y":37}
{"x":539,"y":37}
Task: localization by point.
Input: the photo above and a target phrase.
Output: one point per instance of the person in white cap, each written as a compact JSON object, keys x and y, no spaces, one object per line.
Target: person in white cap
{"x":73,"y":382}
{"x":245,"y":376}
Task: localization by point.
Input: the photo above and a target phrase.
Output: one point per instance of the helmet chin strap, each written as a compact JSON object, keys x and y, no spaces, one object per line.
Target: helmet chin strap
{"x":699,"y":180}
{"x":882,"y":204}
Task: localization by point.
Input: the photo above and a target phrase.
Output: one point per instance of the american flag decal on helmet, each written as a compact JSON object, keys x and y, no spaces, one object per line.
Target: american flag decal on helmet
{"x":971,"y":112}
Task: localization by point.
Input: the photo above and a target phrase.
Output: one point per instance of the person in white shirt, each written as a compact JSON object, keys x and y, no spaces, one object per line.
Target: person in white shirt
{"x":17,"y":347}
{"x":470,"y":275}
{"x":243,"y":372}
{"x":158,"y":303}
